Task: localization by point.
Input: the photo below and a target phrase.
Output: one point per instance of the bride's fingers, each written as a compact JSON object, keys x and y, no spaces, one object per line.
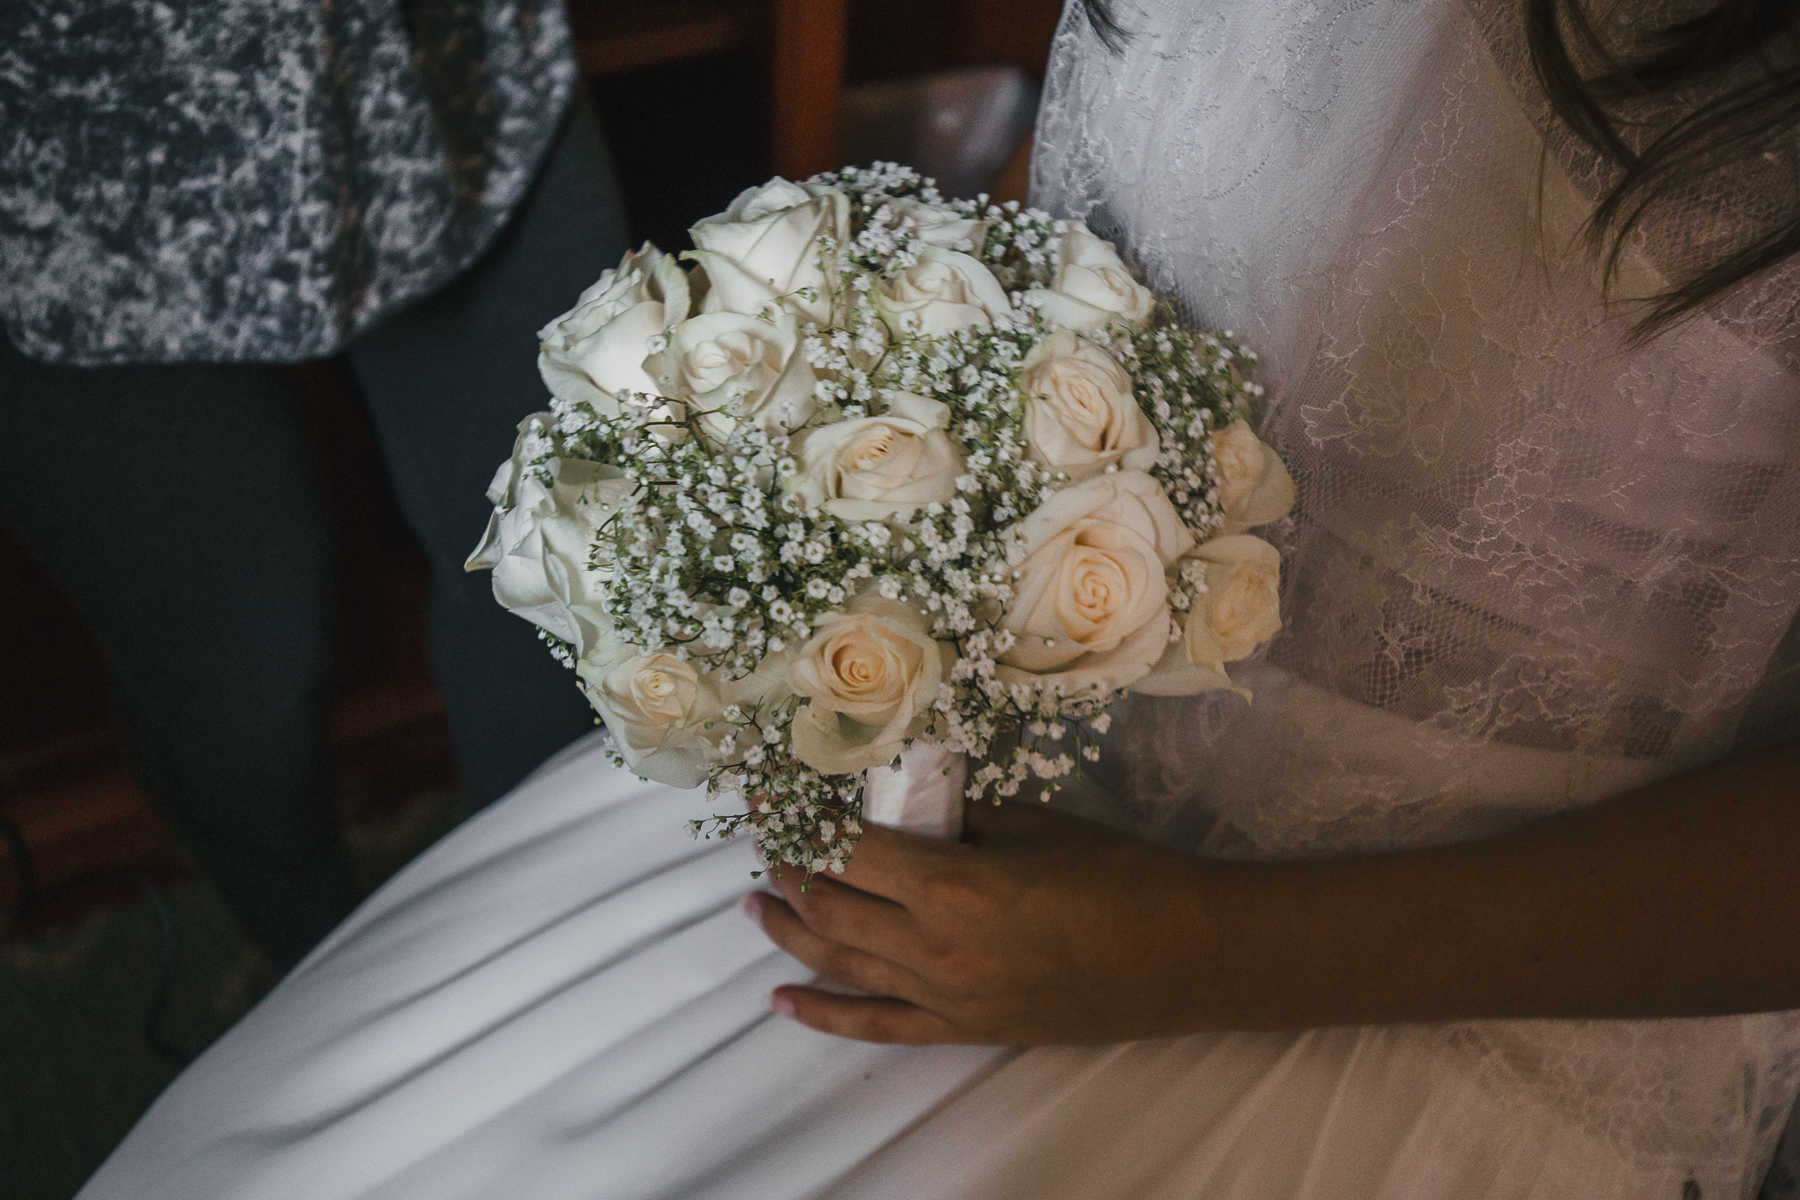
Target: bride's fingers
{"x":865,"y":1018}
{"x":890,"y":863}
{"x":837,"y":962}
{"x":847,"y":915}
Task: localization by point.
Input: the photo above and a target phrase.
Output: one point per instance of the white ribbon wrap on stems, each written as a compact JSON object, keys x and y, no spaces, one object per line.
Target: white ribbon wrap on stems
{"x":922,"y":795}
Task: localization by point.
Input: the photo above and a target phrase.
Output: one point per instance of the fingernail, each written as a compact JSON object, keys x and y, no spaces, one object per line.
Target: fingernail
{"x":753,"y":905}
{"x":781,"y":1004}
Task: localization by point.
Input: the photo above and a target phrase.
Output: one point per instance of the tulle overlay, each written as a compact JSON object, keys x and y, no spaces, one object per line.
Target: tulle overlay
{"x":1532,"y":565}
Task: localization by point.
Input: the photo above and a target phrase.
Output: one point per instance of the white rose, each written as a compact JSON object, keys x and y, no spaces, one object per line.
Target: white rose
{"x":726,"y":363}
{"x":663,"y":715}
{"x":1090,"y":601}
{"x":942,"y":227}
{"x":1254,"y":487}
{"x":1092,"y":286}
{"x":538,"y":549}
{"x":874,"y":468}
{"x":597,"y":349}
{"x":1080,"y":417}
{"x":869,"y":674}
{"x":764,"y":249}
{"x":945,"y":291}
{"x":533,"y":442}
{"x":1241,"y":607}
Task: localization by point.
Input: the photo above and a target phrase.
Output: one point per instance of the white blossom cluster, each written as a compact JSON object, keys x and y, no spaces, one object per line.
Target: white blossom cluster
{"x":880,"y":467}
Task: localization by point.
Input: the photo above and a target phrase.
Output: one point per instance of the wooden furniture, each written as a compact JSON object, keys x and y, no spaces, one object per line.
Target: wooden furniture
{"x":802,"y":42}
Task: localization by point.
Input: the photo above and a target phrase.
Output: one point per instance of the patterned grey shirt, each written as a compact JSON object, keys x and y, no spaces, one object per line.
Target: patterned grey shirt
{"x":260,"y":180}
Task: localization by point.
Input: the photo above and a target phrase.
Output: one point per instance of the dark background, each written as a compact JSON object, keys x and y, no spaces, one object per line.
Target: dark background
{"x":78,"y":977}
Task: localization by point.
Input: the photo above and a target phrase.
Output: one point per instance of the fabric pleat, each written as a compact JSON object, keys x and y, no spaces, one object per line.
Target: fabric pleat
{"x":564,"y":1000}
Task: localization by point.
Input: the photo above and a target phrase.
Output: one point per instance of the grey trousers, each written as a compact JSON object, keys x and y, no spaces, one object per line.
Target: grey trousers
{"x":182,"y":510}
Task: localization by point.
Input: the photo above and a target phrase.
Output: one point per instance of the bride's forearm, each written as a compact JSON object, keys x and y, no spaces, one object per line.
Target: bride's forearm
{"x":1679,"y":899}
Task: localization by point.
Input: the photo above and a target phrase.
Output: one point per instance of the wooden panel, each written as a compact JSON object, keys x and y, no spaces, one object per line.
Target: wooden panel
{"x":622,"y":35}
{"x":889,"y":40}
{"x":1010,"y":31}
{"x":1014,"y":178}
{"x":808,"y":65}
{"x":892,"y":41}
{"x":803,"y":40}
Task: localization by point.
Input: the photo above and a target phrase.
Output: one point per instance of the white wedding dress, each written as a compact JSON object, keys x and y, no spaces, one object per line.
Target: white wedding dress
{"x":1533,"y":566}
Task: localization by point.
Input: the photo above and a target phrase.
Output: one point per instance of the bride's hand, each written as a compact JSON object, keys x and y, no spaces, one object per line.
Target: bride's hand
{"x":1040,"y":928}
{"x":1674,"y":900}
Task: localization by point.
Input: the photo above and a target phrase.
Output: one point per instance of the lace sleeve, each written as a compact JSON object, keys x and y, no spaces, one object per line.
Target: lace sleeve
{"x":1534,"y":563}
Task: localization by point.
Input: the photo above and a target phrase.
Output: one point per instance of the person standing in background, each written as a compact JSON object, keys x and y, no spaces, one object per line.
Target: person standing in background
{"x":192,"y":194}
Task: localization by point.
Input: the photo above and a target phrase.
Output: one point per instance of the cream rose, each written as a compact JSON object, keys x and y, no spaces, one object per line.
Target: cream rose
{"x":663,"y":715}
{"x":944,"y":291}
{"x":764,"y":249}
{"x":538,"y":547}
{"x":735,"y":368}
{"x":1092,"y":286}
{"x":869,"y":674}
{"x":1090,"y":605}
{"x":874,"y":468}
{"x":942,"y":227}
{"x":1254,"y":487}
{"x":1241,"y":606}
{"x":532,"y":442}
{"x":1080,"y":417}
{"x":597,"y":349}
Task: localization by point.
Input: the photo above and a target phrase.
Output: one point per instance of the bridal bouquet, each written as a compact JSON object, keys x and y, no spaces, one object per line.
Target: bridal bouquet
{"x":879,"y":471}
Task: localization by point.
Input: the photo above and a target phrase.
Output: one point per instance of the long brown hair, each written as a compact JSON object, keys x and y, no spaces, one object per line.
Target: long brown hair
{"x":1733,"y":74}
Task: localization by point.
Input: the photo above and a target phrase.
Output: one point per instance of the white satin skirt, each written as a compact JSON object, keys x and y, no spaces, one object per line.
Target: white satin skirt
{"x":563,"y":1000}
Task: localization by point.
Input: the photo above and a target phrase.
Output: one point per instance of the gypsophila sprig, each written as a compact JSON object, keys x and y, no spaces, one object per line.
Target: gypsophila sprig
{"x":881,"y":467}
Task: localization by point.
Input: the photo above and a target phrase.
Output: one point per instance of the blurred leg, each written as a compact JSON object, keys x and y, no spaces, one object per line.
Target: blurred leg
{"x":181,"y":509}
{"x":448,"y":381}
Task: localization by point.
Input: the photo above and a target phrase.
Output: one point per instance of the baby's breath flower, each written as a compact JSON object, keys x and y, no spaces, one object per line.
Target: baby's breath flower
{"x":713,"y":559}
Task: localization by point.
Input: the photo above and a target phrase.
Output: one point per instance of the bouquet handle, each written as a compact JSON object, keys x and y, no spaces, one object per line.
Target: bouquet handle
{"x":923,"y":794}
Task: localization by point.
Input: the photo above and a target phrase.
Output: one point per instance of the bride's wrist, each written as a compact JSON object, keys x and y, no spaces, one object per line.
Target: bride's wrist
{"x":1283,"y":945}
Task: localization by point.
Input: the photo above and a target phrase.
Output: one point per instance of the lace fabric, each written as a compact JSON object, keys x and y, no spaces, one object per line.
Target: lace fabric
{"x":1534,"y":562}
